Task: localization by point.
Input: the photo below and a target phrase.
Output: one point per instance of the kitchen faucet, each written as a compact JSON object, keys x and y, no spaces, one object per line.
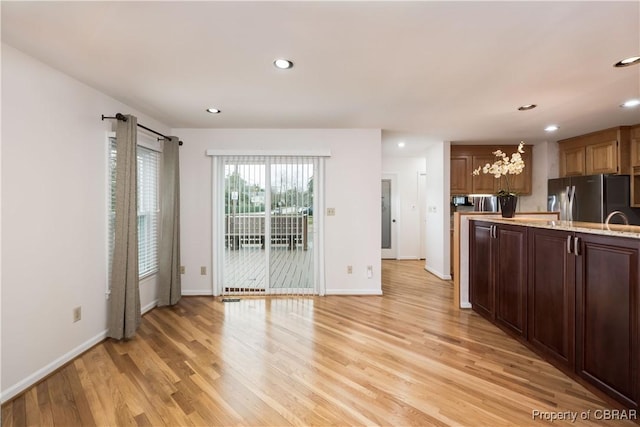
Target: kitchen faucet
{"x":614,"y":213}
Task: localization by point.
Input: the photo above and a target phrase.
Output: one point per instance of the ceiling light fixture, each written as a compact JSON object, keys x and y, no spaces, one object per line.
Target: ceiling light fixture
{"x":213,"y":111}
{"x":633,"y":60}
{"x":401,"y":144}
{"x":527,"y":107}
{"x":283,"y":64}
{"x":631,"y":103}
{"x":551,"y":128}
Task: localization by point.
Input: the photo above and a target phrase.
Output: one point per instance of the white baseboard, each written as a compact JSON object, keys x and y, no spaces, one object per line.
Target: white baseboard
{"x":149,"y":307}
{"x":408,"y":258}
{"x":353,"y":292}
{"x":437,"y":273}
{"x":32,"y":379}
{"x":465,"y":305}
{"x":196,"y":293}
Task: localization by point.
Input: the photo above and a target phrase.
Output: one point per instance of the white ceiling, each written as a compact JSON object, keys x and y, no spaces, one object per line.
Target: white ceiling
{"x":421,"y":71}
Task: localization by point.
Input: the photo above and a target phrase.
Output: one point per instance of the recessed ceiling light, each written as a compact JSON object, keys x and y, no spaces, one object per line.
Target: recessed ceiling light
{"x":551,"y":128}
{"x":401,"y":144}
{"x":527,"y":107}
{"x":631,"y":103}
{"x":283,"y":64}
{"x":213,"y":111}
{"x":628,"y":61}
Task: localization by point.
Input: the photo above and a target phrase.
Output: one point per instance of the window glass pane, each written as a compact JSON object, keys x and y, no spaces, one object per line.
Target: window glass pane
{"x":148,"y":207}
{"x":148,"y":211}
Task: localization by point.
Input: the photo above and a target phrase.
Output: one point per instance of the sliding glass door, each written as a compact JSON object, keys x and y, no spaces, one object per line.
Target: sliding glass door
{"x":268,"y":227}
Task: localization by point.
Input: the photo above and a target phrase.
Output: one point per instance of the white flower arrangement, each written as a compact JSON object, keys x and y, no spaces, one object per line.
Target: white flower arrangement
{"x":504,"y":166}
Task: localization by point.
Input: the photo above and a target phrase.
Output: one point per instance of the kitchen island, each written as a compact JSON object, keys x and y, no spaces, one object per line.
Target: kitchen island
{"x":460,"y":249}
{"x":570,"y":291}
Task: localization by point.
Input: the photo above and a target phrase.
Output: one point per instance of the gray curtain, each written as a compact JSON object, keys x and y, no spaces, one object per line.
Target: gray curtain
{"x":169,"y":287}
{"x":124,"y":301}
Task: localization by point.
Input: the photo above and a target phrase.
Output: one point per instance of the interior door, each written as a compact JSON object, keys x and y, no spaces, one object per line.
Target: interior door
{"x":388,"y":206}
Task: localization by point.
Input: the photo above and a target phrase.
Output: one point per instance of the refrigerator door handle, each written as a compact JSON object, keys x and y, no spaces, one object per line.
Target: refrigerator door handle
{"x":572,"y":196}
{"x":564,"y":204}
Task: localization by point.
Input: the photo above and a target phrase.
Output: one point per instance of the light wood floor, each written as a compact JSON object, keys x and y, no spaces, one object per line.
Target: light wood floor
{"x":402,"y":359}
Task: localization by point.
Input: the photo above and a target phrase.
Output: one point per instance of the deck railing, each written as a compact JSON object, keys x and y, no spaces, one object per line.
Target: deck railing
{"x":250,"y":228}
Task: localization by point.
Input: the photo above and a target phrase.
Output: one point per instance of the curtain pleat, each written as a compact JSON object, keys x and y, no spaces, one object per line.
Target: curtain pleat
{"x":170,"y":289}
{"x":124,"y":301}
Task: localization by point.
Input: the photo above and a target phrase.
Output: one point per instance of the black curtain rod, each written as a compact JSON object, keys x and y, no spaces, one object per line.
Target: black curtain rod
{"x":120,"y":116}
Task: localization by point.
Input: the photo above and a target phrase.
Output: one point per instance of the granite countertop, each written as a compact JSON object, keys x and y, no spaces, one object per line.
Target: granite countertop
{"x":632,"y":231}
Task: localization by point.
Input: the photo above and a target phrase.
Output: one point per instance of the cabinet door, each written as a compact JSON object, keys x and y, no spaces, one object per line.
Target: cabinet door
{"x":551,"y":295}
{"x":481,"y":289}
{"x":635,"y":146}
{"x":461,"y":175}
{"x":602,"y":158}
{"x":572,"y":161}
{"x":608,"y":306}
{"x":483,"y":183}
{"x":635,"y":166}
{"x":521,"y":184}
{"x":510,"y":263}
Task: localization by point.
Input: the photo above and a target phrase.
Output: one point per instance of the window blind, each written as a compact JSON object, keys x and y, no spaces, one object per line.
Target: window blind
{"x":148,"y":162}
{"x":148,"y":211}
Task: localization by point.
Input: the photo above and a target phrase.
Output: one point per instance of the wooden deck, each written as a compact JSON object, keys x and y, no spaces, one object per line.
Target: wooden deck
{"x":291,"y":271}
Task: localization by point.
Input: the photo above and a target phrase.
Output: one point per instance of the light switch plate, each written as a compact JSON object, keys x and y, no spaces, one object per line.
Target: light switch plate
{"x":331,"y":211}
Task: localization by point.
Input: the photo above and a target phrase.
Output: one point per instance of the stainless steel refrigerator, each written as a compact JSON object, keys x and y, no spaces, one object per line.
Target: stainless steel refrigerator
{"x":484,"y":203}
{"x":591,"y":198}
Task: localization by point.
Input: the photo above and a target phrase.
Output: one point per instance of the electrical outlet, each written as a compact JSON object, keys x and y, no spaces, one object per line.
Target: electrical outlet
{"x":77,"y":314}
{"x":203,"y":271}
{"x":182,"y":269}
{"x":349,"y":269}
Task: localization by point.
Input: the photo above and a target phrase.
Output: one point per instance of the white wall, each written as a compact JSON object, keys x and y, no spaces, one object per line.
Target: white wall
{"x":407,"y":170}
{"x":54,"y":246}
{"x":545,"y":166}
{"x":352,"y":184}
{"x":438,"y":240}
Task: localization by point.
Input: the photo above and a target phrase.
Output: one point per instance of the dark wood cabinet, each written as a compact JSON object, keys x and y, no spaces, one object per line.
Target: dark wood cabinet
{"x":572,"y":297}
{"x":498,"y":284}
{"x":608,"y":315}
{"x":551,"y":295}
{"x":511,"y":277}
{"x":481,"y":289}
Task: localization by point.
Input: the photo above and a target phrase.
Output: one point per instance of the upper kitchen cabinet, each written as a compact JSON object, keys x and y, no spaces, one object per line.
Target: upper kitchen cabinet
{"x":483,"y":183}
{"x":634,"y":135}
{"x":466,"y":158}
{"x":605,"y":151}
{"x":635,"y":165}
{"x":460,"y":175}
